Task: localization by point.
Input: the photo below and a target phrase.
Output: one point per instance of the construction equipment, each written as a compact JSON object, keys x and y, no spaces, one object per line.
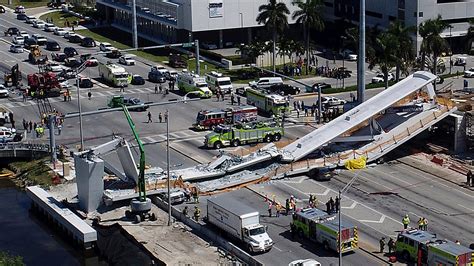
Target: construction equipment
{"x":225,"y":135}
{"x":12,"y":78}
{"x":427,"y":249}
{"x":209,"y":119}
{"x":322,"y":228}
{"x":45,"y":84}
{"x":141,"y":206}
{"x":36,"y":56}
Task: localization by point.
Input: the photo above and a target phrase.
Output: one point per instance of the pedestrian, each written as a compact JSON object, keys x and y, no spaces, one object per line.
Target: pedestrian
{"x":68,"y":95}
{"x":89,"y":95}
{"x":457,"y":242}
{"x":217,"y":95}
{"x":156,"y":89}
{"x":425,"y":224}
{"x":149,"y":117}
{"x":60,"y":127}
{"x":420,"y":224}
{"x":405,"y":221}
{"x":311,"y":200}
{"x":469,"y":180}
{"x":270,"y":208}
{"x":167,"y":91}
{"x":278,"y":209}
{"x":232,"y":98}
{"x":382,"y":244}
{"x":197,"y":213}
{"x":31,"y":126}
{"x":161,"y":88}
{"x":295,"y":105}
{"x":337,"y":204}
{"x":238,"y":100}
{"x":391,"y":245}
{"x":328,"y":207}
{"x":306,"y":112}
{"x":196,"y":196}
{"x":166,"y":117}
{"x":297,"y":113}
{"x":160,"y":117}
{"x":287,"y":206}
{"x":293,"y":230}
{"x":122,"y":88}
{"x":331,"y":205}
{"x":25,"y":124}
{"x":185,"y":211}
{"x":65,"y":96}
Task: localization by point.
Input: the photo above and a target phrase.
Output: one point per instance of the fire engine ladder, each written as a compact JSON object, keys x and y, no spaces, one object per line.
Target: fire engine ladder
{"x":44,"y":106}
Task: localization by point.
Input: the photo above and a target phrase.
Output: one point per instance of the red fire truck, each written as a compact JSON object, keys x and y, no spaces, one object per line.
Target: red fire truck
{"x":44,"y":84}
{"x":209,"y":119}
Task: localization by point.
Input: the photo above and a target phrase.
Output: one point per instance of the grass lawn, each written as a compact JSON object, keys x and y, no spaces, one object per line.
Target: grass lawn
{"x":26,"y":4}
{"x":59,"y":18}
{"x":36,"y":171}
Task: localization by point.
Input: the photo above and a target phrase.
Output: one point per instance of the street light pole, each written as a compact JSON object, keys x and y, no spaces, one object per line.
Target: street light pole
{"x":134,"y":24}
{"x":343,"y":66}
{"x":341,"y":191}
{"x":168,"y":164}
{"x":451,"y":48}
{"x":361,"y":56}
{"x":198,"y":67}
{"x":81,"y":133}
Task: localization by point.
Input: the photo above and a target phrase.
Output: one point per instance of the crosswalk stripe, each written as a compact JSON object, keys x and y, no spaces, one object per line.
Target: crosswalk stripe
{"x":9,"y":105}
{"x":98,"y":94}
{"x":175,"y":135}
{"x":138,"y":91}
{"x":150,"y":139}
{"x":108,"y":92}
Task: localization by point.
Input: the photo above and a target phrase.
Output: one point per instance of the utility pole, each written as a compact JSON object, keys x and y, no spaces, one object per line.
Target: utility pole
{"x":81,"y":133}
{"x":320,"y":108}
{"x":134,"y":24}
{"x":168,"y":164}
{"x":198,"y":67}
{"x":341,"y":191}
{"x":52,"y":138}
{"x":361,"y":56}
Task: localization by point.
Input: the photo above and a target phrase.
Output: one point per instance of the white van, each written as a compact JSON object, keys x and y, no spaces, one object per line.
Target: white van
{"x":217,"y":81}
{"x":266,"y":82}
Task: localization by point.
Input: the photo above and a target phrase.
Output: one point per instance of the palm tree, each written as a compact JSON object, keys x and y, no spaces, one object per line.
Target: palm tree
{"x":251,"y":50}
{"x":309,"y":15}
{"x":433,"y":43}
{"x":284,"y":48}
{"x":275,"y":17}
{"x":383,"y":54}
{"x":404,"y":42}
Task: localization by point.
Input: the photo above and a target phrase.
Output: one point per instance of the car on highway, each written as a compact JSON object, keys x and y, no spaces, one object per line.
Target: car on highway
{"x":322,"y":85}
{"x":52,"y":45}
{"x":137,"y":80}
{"x":29,"y":42}
{"x":64,"y":84}
{"x":70,"y":51}
{"x":23,"y":34}
{"x":127,"y":59}
{"x":304,"y":262}
{"x":18,"y":40}
{"x":348,"y":55}
{"x":88,"y":42}
{"x":72,"y":62}
{"x":460,"y":61}
{"x":91,"y":61}
{"x":54,"y":67}
{"x":11,"y":31}
{"x":40,"y":39}
{"x":331,"y":101}
{"x":155,"y":76}
{"x":60,"y":31}
{"x":119,"y":100}
{"x":85,"y":82}
{"x":21,"y":16}
{"x":106,"y":47}
{"x":49,"y":27}
{"x":30,"y":19}
{"x":39,"y":24}
{"x":16,"y":48}
{"x":19,"y":9}
{"x":58,"y":57}
{"x":469,"y":73}
{"x":2,"y":9}
{"x":284,"y":89}
{"x":9,"y":135}
{"x":75,"y":39}
{"x":379,"y":78}
{"x":67,"y":74}
{"x":3,"y":91}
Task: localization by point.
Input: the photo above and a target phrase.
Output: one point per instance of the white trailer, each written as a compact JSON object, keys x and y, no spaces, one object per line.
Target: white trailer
{"x":239,"y":221}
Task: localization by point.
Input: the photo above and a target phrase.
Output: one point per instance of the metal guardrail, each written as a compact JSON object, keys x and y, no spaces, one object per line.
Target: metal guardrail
{"x":24,"y":146}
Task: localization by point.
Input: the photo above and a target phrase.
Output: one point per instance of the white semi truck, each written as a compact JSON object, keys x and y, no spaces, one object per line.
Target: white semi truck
{"x":240,"y":222}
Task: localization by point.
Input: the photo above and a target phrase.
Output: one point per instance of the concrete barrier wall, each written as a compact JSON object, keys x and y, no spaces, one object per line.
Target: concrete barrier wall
{"x":207,"y":233}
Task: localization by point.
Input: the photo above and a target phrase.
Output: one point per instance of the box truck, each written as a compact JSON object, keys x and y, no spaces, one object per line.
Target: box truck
{"x":240,"y":222}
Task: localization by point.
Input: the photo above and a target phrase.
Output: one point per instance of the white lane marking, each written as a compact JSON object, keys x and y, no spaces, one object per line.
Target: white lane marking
{"x":325,"y":193}
{"x":415,"y":214}
{"x":299,"y":181}
{"x":150,"y":139}
{"x":353,"y":205}
{"x":382,"y":218}
{"x":275,"y":247}
{"x":466,"y":207}
{"x":393,"y":176}
{"x":371,"y":180}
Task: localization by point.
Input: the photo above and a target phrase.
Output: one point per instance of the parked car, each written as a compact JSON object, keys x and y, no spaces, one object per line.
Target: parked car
{"x":40,"y":39}
{"x":21,"y":16}
{"x":54,"y":67}
{"x":11,"y":31}
{"x":70,"y":51}
{"x":49,"y":27}
{"x":20,"y":9}
{"x":304,"y":262}
{"x":348,"y":55}
{"x":85,"y":83}
{"x":4,"y":91}
{"x":30,"y":19}
{"x":325,"y":100}
{"x":2,"y":9}
{"x":60,"y":31}
{"x":91,"y":61}
{"x":29,"y":42}
{"x":155,"y":76}
{"x":380,"y":78}
{"x":16,"y":48}
{"x":18,"y":40}
{"x":138,"y":80}
{"x":127,"y":59}
{"x":284,"y":89}
{"x":65,"y":84}
{"x":88,"y":42}
{"x":52,"y":46}
{"x":72,"y":62}
{"x":39,"y":24}
{"x":69,"y":34}
{"x":105,"y":47}
{"x":67,"y":74}
{"x":9,"y":135}
{"x":58,"y":57}
{"x":469,"y":73}
{"x":23,"y":34}
{"x":460,"y":61}
{"x":321,"y":85}
{"x":75,"y":39}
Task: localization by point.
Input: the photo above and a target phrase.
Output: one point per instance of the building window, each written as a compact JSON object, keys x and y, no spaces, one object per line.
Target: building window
{"x":421,"y":14}
{"x":401,"y":4}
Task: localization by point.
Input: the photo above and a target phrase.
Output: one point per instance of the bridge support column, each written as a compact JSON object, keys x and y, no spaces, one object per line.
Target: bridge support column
{"x":459,"y":133}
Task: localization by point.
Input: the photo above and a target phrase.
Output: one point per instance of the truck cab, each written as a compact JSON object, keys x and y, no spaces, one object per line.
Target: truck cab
{"x":410,"y":242}
{"x":257,"y":238}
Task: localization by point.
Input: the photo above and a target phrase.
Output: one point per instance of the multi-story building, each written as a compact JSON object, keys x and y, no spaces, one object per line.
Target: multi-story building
{"x":214,"y":22}
{"x":411,"y":12}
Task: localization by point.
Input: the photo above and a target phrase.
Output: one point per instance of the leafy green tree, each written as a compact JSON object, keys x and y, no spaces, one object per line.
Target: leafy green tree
{"x":309,"y":15}
{"x":251,"y":50}
{"x":7,"y":259}
{"x":433,"y":44}
{"x":404,"y":46}
{"x":275,"y":17}
{"x":383,"y":54}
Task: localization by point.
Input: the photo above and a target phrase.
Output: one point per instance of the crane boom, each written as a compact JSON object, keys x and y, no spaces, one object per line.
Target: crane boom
{"x":141,"y":175}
